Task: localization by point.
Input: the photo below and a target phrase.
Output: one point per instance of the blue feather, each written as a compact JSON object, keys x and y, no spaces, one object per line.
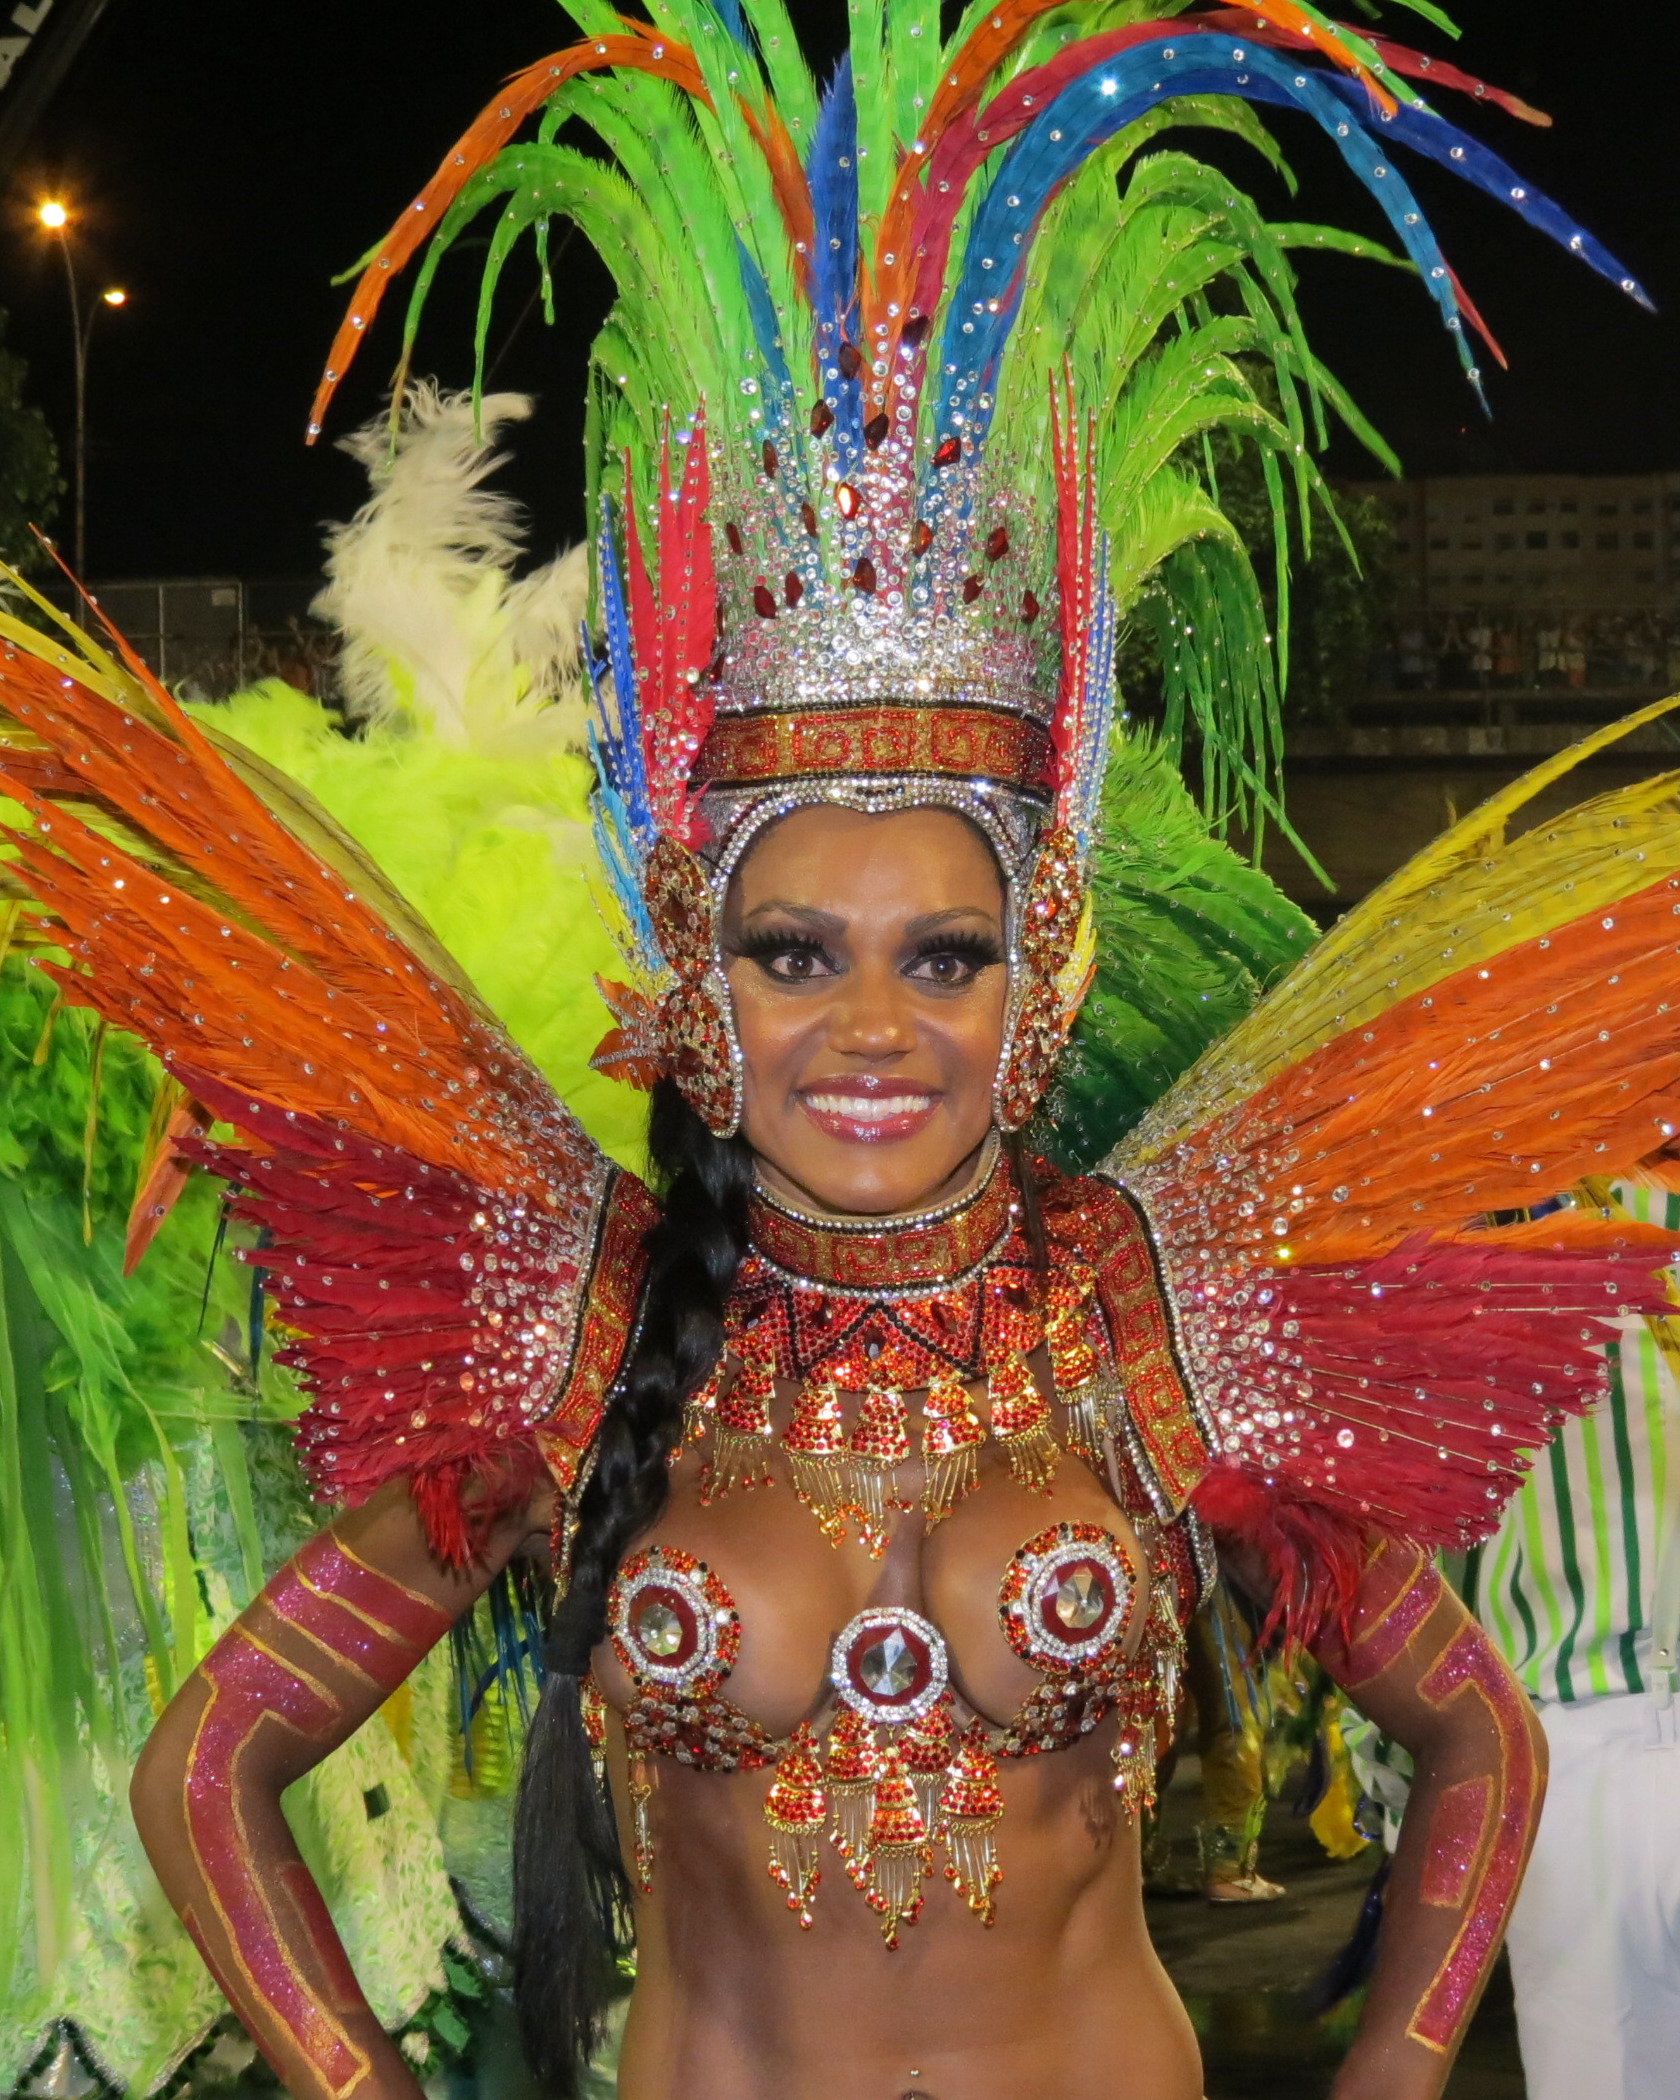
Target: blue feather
{"x":831,"y":170}
{"x":767,"y":334}
{"x":1084,"y":116}
{"x":1426,"y":133}
{"x":1119,"y":89}
{"x":729,"y":14}
{"x":623,"y":739}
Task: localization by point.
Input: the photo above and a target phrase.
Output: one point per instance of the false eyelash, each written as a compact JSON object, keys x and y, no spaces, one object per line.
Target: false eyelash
{"x":765,"y":941}
{"x":980,"y":949}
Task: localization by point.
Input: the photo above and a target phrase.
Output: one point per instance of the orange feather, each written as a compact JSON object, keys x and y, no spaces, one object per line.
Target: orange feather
{"x":479,"y":144}
{"x":1494,"y":1088}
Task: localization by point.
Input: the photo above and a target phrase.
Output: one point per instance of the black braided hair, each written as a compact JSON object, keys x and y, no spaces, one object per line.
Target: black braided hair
{"x":570,"y":1893}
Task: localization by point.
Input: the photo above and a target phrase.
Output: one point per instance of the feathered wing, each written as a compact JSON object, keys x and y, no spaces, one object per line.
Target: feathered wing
{"x":145,"y":1393}
{"x":430,"y":1211}
{"x":1364,"y":1346}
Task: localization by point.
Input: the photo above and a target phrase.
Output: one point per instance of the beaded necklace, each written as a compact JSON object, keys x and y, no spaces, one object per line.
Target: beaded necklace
{"x":932,"y":1302}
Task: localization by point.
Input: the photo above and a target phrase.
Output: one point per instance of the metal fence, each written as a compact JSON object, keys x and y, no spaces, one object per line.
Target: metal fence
{"x":207,"y":636}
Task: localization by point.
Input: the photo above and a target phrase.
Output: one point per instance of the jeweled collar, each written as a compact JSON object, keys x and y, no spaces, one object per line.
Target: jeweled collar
{"x":909,"y":1254}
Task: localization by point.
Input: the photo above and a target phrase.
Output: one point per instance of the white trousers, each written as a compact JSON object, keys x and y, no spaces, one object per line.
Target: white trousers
{"x":1595,"y":1936}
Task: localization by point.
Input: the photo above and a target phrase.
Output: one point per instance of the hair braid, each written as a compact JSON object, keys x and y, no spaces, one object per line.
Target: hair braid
{"x":570,"y":1892}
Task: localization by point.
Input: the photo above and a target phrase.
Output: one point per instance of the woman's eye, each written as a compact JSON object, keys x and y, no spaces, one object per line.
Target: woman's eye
{"x":796,"y":965}
{"x":950,"y":969}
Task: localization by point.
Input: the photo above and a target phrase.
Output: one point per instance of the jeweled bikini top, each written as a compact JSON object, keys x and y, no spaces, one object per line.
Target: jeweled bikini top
{"x":895,"y":1764}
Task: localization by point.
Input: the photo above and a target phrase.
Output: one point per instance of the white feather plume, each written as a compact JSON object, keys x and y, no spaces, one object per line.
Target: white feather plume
{"x":435,"y":630}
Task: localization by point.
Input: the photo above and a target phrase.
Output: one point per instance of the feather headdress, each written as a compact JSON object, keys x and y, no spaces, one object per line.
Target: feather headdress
{"x":903,"y":403}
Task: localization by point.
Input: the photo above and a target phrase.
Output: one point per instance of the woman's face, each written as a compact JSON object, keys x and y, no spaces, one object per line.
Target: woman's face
{"x":866,"y":959}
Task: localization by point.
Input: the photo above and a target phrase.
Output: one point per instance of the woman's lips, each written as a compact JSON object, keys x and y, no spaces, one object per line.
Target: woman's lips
{"x":863,"y":1112}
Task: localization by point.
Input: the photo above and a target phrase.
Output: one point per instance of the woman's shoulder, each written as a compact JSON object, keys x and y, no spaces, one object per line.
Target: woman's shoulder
{"x":1099,"y":1225}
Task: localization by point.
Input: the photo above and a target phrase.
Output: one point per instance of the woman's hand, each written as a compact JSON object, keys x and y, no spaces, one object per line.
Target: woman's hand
{"x":318,"y":1652}
{"x":1418,"y":1665}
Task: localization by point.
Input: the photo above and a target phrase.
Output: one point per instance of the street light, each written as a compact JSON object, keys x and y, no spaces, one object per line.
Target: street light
{"x":55,"y":215}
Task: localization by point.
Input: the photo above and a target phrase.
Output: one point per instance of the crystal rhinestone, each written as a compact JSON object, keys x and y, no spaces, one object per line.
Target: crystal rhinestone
{"x":1079,"y":1601}
{"x":888,"y":1666}
{"x":658,"y":1629}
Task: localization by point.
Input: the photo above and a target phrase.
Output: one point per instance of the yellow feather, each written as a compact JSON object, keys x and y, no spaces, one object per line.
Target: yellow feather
{"x":1470,"y":895}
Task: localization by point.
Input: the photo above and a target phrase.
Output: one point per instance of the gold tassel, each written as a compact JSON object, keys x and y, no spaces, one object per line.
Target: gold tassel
{"x":897,"y":1848}
{"x":973,"y":1809}
{"x":816,"y":1449}
{"x":928,"y":1744}
{"x":641,"y":1820}
{"x":1084,"y":1433}
{"x":1075,"y":1366}
{"x":743,"y":1432}
{"x":796,"y":1810}
{"x":1133,"y":1757}
{"x":594,"y":1709}
{"x":700,"y":1407}
{"x":880,"y":1445}
{"x":951,"y":1440}
{"x":1021,"y":1423}
{"x":852,"y":1766}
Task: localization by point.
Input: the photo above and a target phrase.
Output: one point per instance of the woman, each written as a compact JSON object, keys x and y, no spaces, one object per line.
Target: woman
{"x":879,"y":1461}
{"x":866,"y":967}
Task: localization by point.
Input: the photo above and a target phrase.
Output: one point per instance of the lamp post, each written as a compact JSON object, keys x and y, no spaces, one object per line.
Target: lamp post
{"x":55,"y":216}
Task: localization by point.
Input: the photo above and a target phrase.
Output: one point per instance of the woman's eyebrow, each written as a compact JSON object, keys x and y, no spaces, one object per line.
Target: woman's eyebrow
{"x":806,"y":914}
{"x":934,"y":921}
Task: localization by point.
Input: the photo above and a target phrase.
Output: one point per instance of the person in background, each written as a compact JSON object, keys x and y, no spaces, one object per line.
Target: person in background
{"x":1231,"y":1743}
{"x":1580,"y":1591}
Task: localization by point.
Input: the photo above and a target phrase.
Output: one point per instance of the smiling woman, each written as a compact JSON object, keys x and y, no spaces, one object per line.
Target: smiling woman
{"x":880,"y":1464}
{"x":867,"y":964}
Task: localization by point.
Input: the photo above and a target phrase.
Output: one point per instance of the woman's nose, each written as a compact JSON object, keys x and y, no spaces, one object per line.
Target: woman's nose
{"x":870,"y":1015}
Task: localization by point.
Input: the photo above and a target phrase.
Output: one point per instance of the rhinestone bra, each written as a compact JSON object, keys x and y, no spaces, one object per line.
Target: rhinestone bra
{"x":890,"y":1772}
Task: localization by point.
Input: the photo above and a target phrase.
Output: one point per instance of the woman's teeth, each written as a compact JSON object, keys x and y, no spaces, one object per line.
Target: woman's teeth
{"x":869,"y":1108}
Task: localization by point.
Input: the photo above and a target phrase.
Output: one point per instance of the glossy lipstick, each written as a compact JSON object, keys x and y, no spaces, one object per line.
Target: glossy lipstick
{"x":866,"y":1109}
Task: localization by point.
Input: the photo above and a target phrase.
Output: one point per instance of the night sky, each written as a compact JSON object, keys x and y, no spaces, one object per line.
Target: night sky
{"x":232,"y":159}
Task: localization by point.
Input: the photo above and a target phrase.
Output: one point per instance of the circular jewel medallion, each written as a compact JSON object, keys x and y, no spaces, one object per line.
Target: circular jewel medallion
{"x":1067,"y":1596}
{"x":673,"y":1622}
{"x":889,"y":1665}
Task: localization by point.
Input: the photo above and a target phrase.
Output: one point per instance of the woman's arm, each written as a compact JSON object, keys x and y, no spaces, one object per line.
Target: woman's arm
{"x":326,"y":1643}
{"x":1418,"y":1665}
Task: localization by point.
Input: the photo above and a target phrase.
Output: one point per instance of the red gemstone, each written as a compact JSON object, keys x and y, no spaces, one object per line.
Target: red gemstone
{"x":972,"y":587}
{"x":764,"y":601}
{"x":949,"y":453}
{"x":997,"y":544}
{"x":921,"y":536}
{"x":864,"y":575}
{"x":875,"y":431}
{"x":850,"y":360}
{"x":822,"y":419}
{"x":915,"y":330}
{"x":771,"y":463}
{"x":792,"y":588}
{"x":808,"y":518}
{"x":732,"y":533}
{"x":1029,"y":607}
{"x":848,"y":500}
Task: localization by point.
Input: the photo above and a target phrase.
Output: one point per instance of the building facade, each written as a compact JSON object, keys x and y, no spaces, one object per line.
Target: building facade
{"x":1528,"y":581}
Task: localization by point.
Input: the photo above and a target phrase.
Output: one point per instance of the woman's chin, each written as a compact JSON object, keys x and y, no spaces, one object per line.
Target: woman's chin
{"x":881,"y":1176}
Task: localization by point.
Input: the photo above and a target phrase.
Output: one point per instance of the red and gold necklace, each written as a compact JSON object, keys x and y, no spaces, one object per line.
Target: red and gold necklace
{"x":933,"y":1303}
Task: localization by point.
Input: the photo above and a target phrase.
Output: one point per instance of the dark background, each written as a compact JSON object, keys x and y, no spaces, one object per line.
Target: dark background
{"x":231,"y":159}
